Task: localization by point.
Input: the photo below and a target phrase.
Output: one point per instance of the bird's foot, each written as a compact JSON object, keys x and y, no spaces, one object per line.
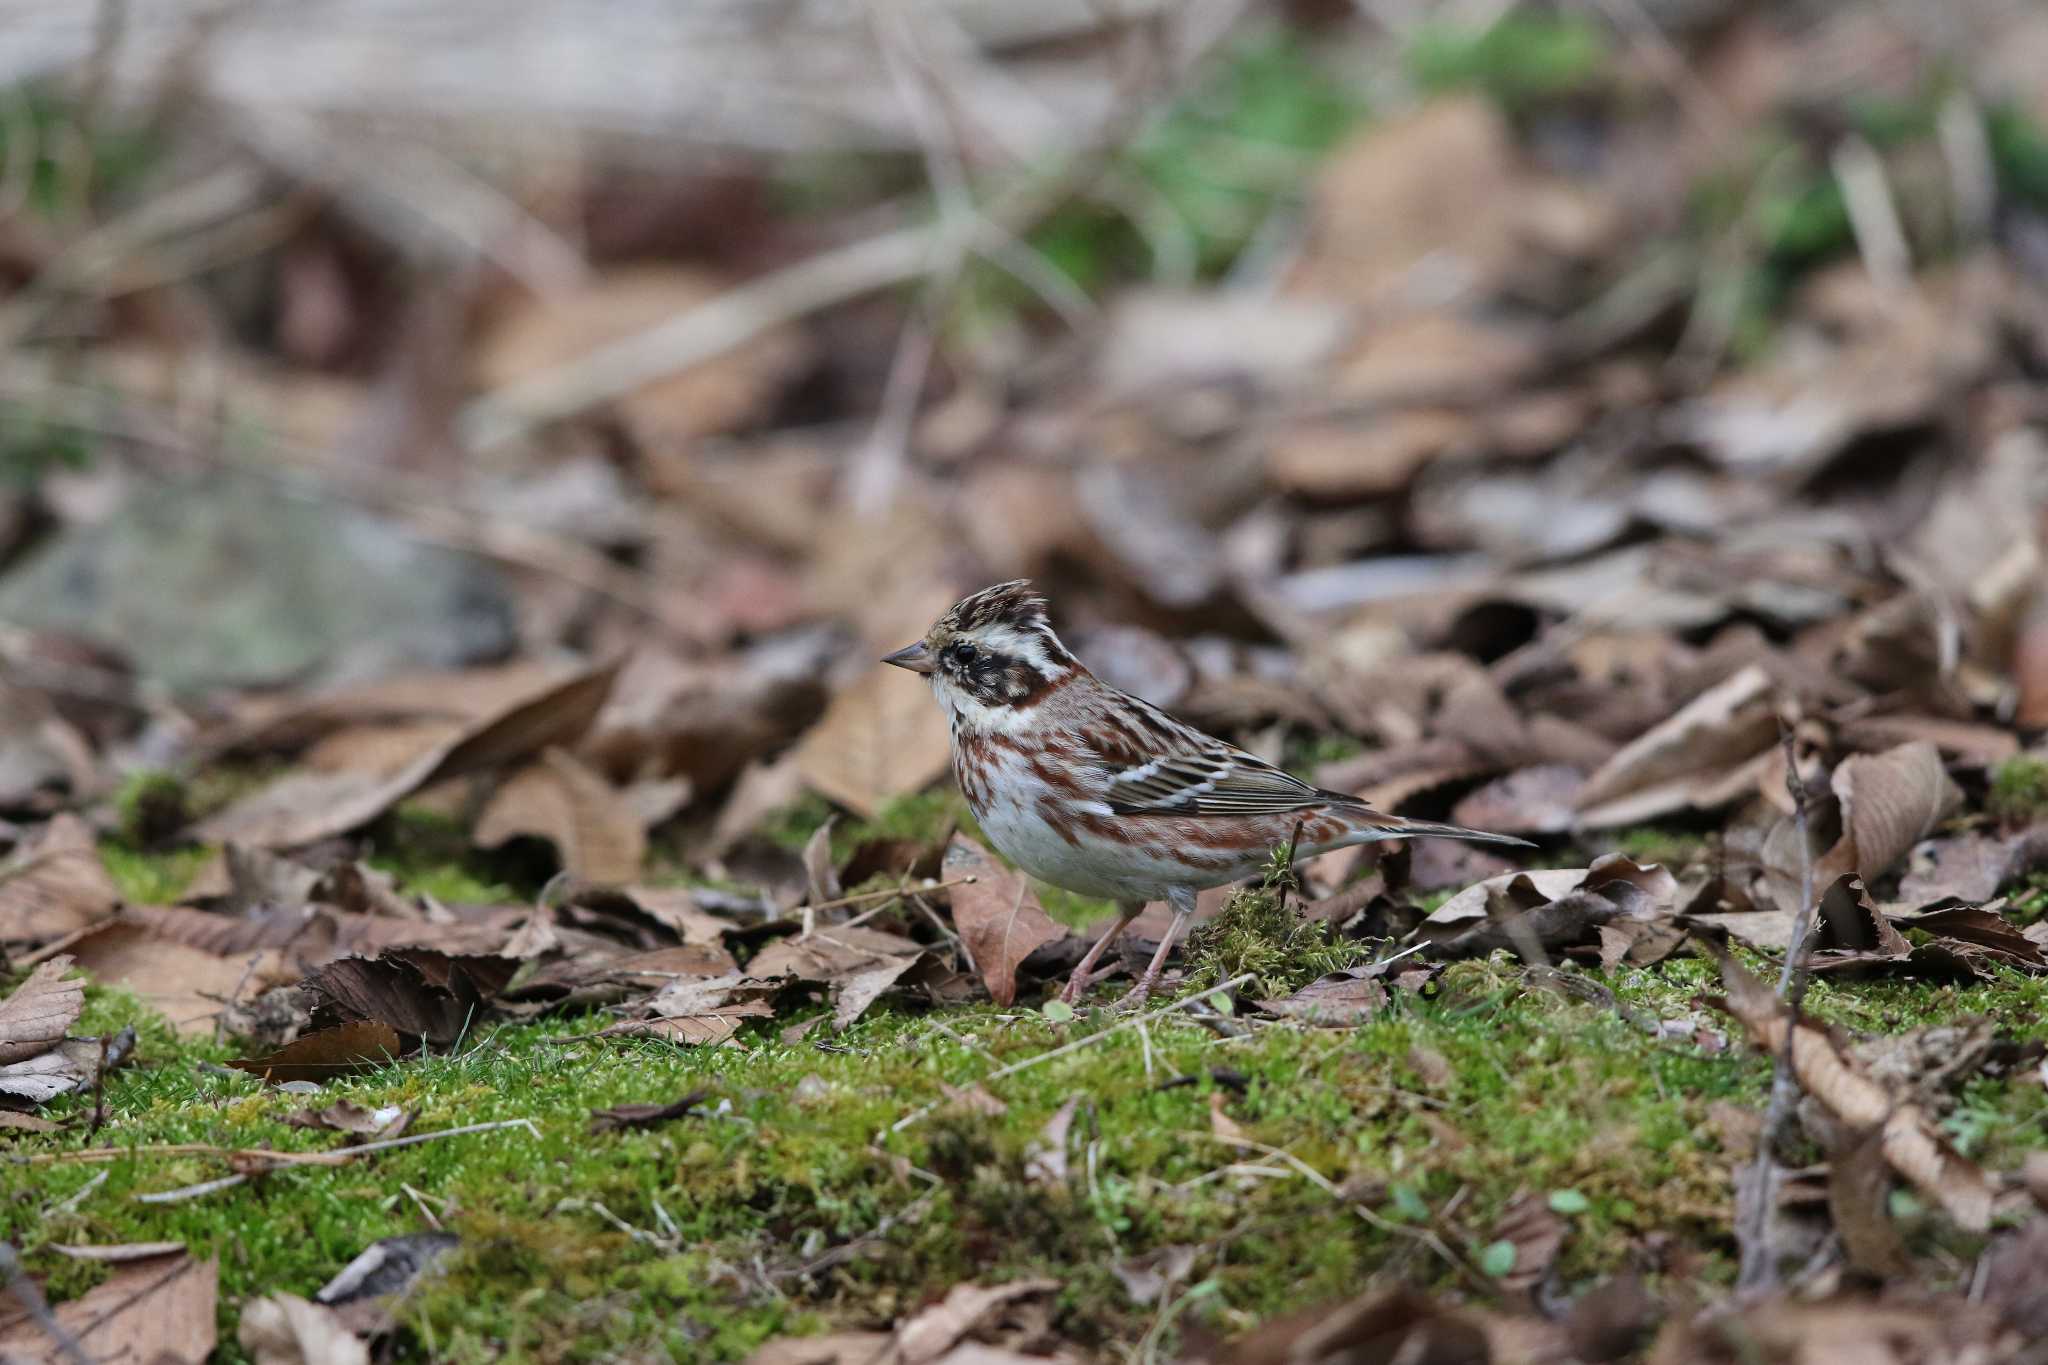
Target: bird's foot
{"x":1079,"y":981}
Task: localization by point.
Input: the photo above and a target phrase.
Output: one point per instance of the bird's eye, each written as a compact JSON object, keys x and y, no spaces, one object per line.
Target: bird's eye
{"x":962,"y":654}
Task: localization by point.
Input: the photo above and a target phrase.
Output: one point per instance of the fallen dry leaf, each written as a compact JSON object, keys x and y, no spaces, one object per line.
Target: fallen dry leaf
{"x":1384,"y":1326}
{"x":882,"y":737}
{"x":930,"y":1334}
{"x":346,"y":1116}
{"x":157,"y":1311}
{"x":55,"y":886}
{"x":345,"y":1050}
{"x":1908,"y":1139}
{"x":1704,"y":755}
{"x":545,"y":332}
{"x":1339,"y":1000}
{"x":697,"y":1013}
{"x":644,"y":1115}
{"x":1537,"y":1234}
{"x":1890,"y":802}
{"x":41,"y":1011}
{"x":595,"y":830}
{"x":363,"y":1292}
{"x":304,"y":807}
{"x":998,"y":915}
{"x":414,"y":992}
{"x":188,"y":986}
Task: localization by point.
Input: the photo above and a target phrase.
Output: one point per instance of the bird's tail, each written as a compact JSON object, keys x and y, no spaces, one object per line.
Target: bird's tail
{"x":1400,"y":827}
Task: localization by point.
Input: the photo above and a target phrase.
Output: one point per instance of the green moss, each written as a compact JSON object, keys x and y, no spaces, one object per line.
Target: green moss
{"x":1524,"y":59}
{"x":2019,"y":790}
{"x":151,"y":807}
{"x":807,"y":1155}
{"x":1675,"y":848}
{"x":2029,"y":899}
{"x":151,"y":878}
{"x":1262,"y":934}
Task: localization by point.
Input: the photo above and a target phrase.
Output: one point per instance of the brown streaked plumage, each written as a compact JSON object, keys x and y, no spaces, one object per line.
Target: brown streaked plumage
{"x":1094,"y":790}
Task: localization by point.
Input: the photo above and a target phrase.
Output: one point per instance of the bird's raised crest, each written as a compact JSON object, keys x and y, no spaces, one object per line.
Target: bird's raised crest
{"x":1015,"y":603}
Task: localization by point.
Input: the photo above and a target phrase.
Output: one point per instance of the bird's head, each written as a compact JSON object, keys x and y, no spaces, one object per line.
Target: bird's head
{"x":995,"y":649}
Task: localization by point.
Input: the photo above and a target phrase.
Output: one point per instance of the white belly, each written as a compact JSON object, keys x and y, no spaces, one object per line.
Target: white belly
{"x":1088,"y":863}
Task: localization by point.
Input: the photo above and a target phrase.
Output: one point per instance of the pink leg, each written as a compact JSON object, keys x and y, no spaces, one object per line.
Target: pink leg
{"x":1126,"y":911}
{"x":1183,"y":902}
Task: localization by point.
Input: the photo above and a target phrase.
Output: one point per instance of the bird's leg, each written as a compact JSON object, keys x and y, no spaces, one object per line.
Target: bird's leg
{"x":1126,"y":911}
{"x":1182,"y":900}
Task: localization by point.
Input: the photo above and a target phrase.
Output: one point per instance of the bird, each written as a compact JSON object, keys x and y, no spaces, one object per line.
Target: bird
{"x":1099,"y":792}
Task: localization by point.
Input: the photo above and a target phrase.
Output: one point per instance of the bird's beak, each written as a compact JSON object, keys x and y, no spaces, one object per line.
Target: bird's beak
{"x":916,"y":658}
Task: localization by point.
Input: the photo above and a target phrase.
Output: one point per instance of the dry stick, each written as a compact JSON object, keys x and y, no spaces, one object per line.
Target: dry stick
{"x":1013,"y":1068}
{"x":1755,"y":1200}
{"x":339,"y":1157}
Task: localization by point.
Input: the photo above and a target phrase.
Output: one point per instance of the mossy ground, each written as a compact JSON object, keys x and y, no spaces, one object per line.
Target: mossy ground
{"x":797,"y":1208}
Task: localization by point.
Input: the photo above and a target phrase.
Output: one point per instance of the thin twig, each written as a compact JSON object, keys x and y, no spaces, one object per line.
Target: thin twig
{"x":1065,"y":1049}
{"x":1758,"y":1196}
{"x":188,"y":1192}
{"x":339,"y":1157}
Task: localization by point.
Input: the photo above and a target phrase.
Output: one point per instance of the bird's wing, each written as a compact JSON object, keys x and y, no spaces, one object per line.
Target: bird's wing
{"x":1216,"y":779}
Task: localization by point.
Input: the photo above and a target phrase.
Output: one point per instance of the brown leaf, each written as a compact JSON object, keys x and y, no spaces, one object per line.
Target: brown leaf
{"x":1970,"y":867}
{"x":1890,"y":802}
{"x":1537,"y":1234}
{"x":595,"y":831}
{"x":40,"y":1012}
{"x":644,"y":1115}
{"x":159,"y":1311}
{"x":833,"y":1348}
{"x":929,"y":1334}
{"x":28,"y":1123}
{"x":696,"y":1013}
{"x":852,"y":995}
{"x":416,"y":992}
{"x":1981,"y":928}
{"x":1428,"y":186}
{"x":998,"y":916}
{"x":57,"y":886}
{"x":1339,"y":1000}
{"x":832,"y":952}
{"x":1908,"y":1138}
{"x":284,"y":1329}
{"x":1839,"y":1331}
{"x":364,"y":1045}
{"x":188,"y":986}
{"x":1701,"y":756}
{"x":882,"y":737}
{"x":1381,"y":1328}
{"x":305,"y":807}
{"x":1859,"y":1190}
{"x":1538,"y":800}
{"x":545,"y":332}
{"x":346,"y":1116}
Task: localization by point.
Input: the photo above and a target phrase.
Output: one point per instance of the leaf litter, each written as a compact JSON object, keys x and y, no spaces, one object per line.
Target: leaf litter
{"x":1467,"y":500}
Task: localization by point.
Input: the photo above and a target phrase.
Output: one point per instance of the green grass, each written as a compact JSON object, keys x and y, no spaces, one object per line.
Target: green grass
{"x":1545,"y":1095}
